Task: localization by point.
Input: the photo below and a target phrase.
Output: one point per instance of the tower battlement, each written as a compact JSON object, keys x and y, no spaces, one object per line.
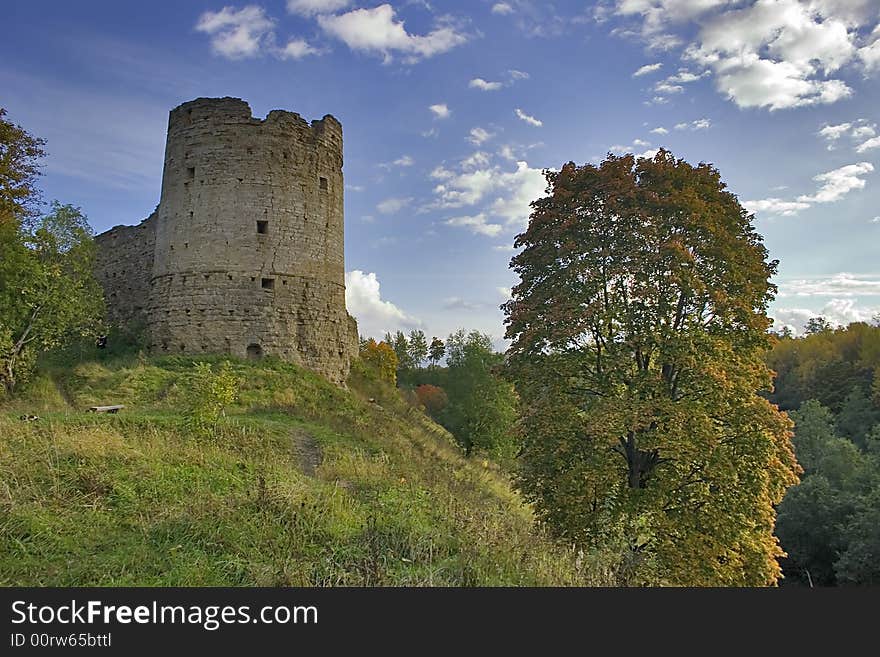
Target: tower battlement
{"x":247,"y":240}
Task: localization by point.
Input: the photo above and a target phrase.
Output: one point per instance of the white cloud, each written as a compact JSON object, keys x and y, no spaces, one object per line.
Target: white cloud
{"x":313,"y":7}
{"x":660,"y":131}
{"x":478,"y":224}
{"x":834,"y":185}
{"x":518,"y":75}
{"x":858,"y":130}
{"x":507,"y":248}
{"x":376,"y":31}
{"x":466,"y":188}
{"x":838,"y":312}
{"x":531,"y":120}
{"x":775,"y":206}
{"x":440,"y":110}
{"x":839,"y":182}
{"x":664,"y":87}
{"x":479,"y":135}
{"x":502,"y":8}
{"x":834,"y":132}
{"x":875,"y":220}
{"x":868,"y":145}
{"x":619,"y":149}
{"x":517,"y":190}
{"x":504,"y":194}
{"x":870,"y":54}
{"x":504,"y":292}
{"x":375,"y":316}
{"x":779,"y":54}
{"x":457,"y":303}
{"x":699,"y":124}
{"x":393,"y":205}
{"x":755,"y":82}
{"x":684,"y":76}
{"x":477,"y":160}
{"x":441,"y":173}
{"x":646,"y":69}
{"x":656,"y":15}
{"x":864,"y":131}
{"x":841,"y":284}
{"x":404,"y":161}
{"x":297,"y":49}
{"x":237,"y":34}
{"x":483,"y":85}
{"x":673,"y":84}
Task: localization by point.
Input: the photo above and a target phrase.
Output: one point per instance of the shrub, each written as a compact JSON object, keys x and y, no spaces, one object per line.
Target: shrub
{"x":210,"y":392}
{"x":381,"y":358}
{"x":433,"y":398}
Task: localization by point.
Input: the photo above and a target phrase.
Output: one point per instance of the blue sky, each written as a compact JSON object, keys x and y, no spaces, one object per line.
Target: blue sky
{"x":451,"y":109}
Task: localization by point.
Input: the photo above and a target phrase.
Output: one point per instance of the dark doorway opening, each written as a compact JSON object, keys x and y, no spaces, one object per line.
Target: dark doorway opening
{"x":254,"y":352}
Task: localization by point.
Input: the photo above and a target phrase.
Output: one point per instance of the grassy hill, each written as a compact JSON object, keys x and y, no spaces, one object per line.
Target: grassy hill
{"x":302,"y":483}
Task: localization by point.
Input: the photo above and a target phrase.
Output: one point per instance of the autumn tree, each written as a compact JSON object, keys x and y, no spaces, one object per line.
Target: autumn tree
{"x":432,"y":397}
{"x":638,"y":330}
{"x":20,"y":153}
{"x":381,"y":357}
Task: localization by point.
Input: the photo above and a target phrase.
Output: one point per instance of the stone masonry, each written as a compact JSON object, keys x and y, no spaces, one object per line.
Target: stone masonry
{"x":244,"y":254}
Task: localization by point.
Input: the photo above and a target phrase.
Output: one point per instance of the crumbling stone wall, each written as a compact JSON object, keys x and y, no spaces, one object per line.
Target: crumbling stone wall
{"x":124,"y":267}
{"x":248,"y":239}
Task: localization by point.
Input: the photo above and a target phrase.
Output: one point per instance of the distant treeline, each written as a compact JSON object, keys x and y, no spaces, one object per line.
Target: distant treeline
{"x":459,"y":383}
{"x":829,"y":524}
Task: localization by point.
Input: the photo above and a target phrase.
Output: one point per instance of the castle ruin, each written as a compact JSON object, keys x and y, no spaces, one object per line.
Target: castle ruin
{"x":244,"y":253}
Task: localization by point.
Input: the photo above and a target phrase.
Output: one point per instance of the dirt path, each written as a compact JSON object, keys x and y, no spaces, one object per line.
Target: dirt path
{"x":307,"y":450}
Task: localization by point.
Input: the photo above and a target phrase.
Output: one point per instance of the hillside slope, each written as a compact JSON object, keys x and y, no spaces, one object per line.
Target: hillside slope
{"x":301,"y":484}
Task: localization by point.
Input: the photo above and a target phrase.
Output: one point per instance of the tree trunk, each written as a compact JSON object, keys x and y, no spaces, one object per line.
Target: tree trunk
{"x":640,"y":462}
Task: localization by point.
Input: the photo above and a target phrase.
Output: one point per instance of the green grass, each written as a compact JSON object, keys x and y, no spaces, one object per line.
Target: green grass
{"x":302,"y":483}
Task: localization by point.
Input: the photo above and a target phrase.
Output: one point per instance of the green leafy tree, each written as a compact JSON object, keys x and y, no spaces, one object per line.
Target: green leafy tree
{"x":417,"y":349}
{"x":436,"y":351}
{"x":814,"y":429}
{"x":809,"y":528}
{"x":482,"y":405}
{"x":48,"y":293}
{"x":858,"y":562}
{"x":857,"y":417}
{"x":638,"y":330}
{"x":817,"y":325}
{"x":400,"y":345}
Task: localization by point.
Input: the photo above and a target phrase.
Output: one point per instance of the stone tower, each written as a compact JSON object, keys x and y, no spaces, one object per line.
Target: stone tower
{"x":247,"y":240}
